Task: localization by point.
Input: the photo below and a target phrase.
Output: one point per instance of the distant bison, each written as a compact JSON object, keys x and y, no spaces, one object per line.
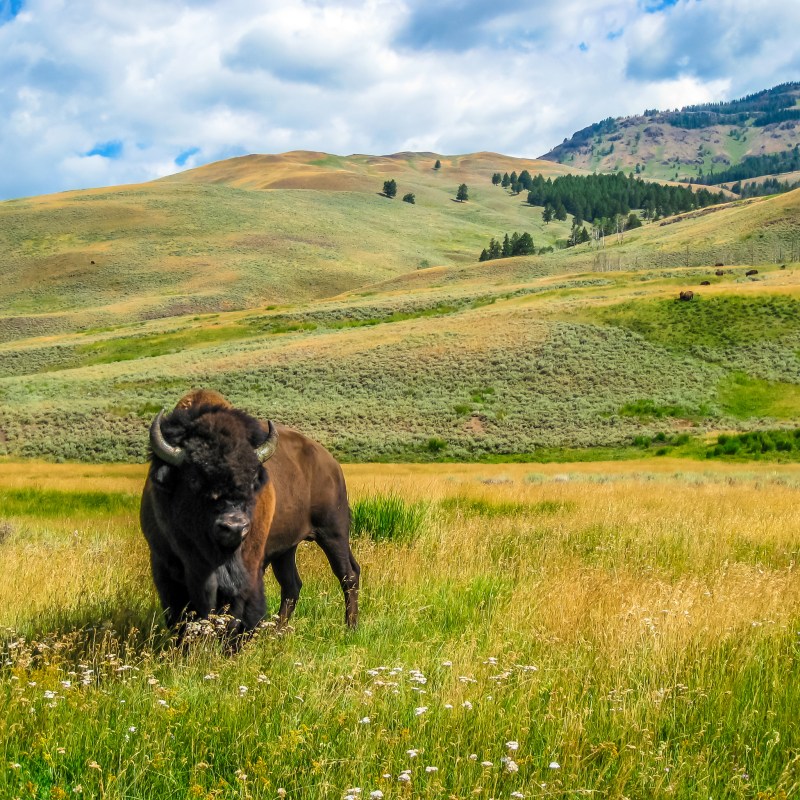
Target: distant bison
{"x":688,"y":294}
{"x":719,"y":264}
{"x":226,"y":496}
{"x":719,"y":273}
{"x":751,"y":272}
{"x":705,"y":283}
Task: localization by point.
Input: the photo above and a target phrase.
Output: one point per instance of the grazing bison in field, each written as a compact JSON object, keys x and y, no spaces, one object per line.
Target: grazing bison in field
{"x":226,"y":496}
{"x":719,"y":273}
{"x":688,"y":294}
{"x":751,"y":272}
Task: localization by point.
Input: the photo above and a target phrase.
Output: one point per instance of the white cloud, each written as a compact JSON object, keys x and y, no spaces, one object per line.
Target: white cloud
{"x":372,"y":76}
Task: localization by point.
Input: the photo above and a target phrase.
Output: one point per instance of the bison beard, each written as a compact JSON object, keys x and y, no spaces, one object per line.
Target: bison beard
{"x":223,"y":501}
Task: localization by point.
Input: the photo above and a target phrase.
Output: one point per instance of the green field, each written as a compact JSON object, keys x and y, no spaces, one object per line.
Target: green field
{"x":560,"y":632}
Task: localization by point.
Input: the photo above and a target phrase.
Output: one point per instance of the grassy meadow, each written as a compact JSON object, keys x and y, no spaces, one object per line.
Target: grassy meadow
{"x":615,"y":630}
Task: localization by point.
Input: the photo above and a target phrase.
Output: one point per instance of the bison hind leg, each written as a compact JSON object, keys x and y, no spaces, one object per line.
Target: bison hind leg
{"x":346,"y":569}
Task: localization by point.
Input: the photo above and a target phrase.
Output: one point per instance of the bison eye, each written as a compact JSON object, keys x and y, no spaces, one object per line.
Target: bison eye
{"x":260,"y":479}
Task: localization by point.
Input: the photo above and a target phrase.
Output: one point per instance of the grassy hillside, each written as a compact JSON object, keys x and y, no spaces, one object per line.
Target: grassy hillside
{"x":618,"y":630}
{"x":663,"y":150}
{"x":252,"y":231}
{"x":525,"y":357}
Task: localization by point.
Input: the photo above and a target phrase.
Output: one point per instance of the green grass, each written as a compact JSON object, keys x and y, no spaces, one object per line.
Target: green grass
{"x":482,"y":507}
{"x":54,"y":504}
{"x":152,"y":345}
{"x":388,"y":518}
{"x":781,"y":445}
{"x":743,"y":396}
{"x":721,"y":321}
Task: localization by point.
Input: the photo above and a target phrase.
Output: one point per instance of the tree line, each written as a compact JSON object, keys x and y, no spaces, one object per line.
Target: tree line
{"x":591,"y":197}
{"x":755,"y":166}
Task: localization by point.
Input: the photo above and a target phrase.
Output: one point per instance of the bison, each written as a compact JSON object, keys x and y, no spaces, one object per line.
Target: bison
{"x":751,"y":272}
{"x":688,"y":294}
{"x":705,"y":283}
{"x":719,"y":273}
{"x":227,"y":496}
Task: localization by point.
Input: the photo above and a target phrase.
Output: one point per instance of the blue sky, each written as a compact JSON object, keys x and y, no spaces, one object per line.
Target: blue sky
{"x":98,"y":92}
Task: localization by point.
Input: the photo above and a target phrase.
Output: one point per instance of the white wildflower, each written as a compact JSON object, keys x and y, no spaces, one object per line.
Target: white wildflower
{"x":420,"y":710}
{"x":412,"y":753}
{"x":364,"y":720}
{"x":431,"y":769}
{"x":486,"y":764}
{"x":512,"y":745}
{"x":376,"y":795}
{"x":466,"y":704}
{"x":404,"y":777}
{"x":512,"y":766}
{"x":555,"y":765}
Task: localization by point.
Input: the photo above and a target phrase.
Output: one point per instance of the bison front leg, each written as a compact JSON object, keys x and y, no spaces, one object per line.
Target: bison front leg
{"x":171,"y":590}
{"x":284,"y":567}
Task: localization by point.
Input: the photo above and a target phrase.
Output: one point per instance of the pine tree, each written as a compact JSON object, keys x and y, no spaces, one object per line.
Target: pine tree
{"x":524,"y":245}
{"x":506,"y":181}
{"x":547,"y":214}
{"x":506,"y":247}
{"x":409,"y":198}
{"x":494,"y":249}
{"x":484,"y":256}
{"x":496,"y":179}
{"x":390,"y":188}
{"x":463,"y":193}
{"x":438,"y":164}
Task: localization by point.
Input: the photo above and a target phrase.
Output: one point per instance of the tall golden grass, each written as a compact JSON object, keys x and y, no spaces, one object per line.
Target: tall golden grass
{"x":630,"y":629}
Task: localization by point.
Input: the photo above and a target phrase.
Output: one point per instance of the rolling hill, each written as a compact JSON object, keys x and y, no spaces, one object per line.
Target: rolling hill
{"x":253,"y":230}
{"x":368,"y":323}
{"x":690,"y":142}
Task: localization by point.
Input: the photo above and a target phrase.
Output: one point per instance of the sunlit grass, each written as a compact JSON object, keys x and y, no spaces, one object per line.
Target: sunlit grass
{"x":589,"y":630}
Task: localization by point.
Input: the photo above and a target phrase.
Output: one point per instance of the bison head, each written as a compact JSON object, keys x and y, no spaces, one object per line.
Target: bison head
{"x":207,"y":470}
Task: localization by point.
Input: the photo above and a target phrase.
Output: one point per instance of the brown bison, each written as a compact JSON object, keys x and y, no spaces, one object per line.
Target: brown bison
{"x":719,"y":273}
{"x":225,"y":497}
{"x":751,"y":272}
{"x":705,"y":283}
{"x":688,"y":294}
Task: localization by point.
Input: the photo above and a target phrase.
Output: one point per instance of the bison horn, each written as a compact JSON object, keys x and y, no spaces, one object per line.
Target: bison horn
{"x":161,"y":447}
{"x":267,"y":449}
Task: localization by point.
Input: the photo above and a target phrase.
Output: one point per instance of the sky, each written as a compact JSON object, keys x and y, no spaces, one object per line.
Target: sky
{"x":103,"y":92}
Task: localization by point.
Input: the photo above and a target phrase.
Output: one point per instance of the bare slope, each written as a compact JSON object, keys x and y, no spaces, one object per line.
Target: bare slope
{"x":662,"y":149}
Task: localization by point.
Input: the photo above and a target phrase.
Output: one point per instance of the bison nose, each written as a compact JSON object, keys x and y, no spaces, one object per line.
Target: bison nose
{"x":232,"y":528}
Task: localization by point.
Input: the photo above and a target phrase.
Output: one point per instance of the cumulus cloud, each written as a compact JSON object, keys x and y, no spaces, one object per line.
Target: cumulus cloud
{"x":98,"y":92}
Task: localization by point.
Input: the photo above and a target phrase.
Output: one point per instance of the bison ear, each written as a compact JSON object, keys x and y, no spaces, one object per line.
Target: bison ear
{"x":163,"y":476}
{"x":260,"y":479}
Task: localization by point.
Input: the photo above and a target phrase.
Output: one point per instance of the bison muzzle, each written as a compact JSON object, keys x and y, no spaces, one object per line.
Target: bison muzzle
{"x":227,"y":496}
